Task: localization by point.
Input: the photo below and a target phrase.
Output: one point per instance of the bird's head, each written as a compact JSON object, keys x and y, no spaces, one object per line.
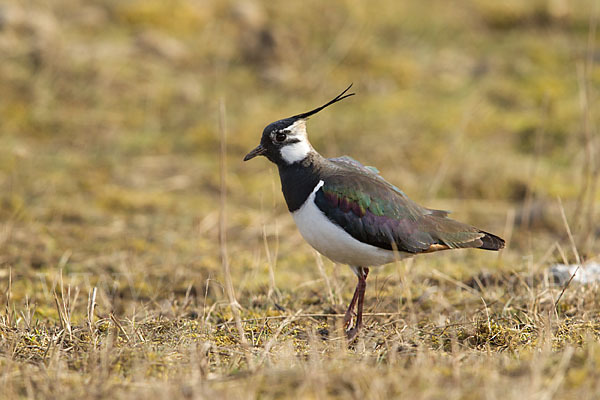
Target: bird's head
{"x":285,"y":142}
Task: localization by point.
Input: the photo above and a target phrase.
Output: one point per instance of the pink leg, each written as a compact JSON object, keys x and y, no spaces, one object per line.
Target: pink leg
{"x":359,"y":295}
{"x":350,"y":311}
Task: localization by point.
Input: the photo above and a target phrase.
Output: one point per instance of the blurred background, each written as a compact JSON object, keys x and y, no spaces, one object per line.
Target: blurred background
{"x":109,"y":132}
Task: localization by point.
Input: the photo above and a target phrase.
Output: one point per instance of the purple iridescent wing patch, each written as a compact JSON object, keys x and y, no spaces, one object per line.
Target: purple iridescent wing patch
{"x":373,"y":211}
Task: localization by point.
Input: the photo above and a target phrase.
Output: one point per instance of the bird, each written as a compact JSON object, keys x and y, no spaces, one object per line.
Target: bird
{"x":349,"y":213}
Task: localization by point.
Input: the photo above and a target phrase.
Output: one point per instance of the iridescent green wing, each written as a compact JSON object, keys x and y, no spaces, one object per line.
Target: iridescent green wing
{"x":375,"y":212}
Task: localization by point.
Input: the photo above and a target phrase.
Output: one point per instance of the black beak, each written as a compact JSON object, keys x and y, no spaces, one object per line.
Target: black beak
{"x":258,"y":151}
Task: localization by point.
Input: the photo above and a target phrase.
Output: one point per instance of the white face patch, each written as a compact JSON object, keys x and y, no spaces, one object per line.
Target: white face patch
{"x":294,"y":152}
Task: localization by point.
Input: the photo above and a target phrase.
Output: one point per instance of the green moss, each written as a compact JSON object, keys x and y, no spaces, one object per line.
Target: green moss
{"x":109,"y":174}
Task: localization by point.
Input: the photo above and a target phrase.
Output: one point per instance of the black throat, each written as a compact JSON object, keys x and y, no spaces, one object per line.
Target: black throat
{"x":299,"y":179}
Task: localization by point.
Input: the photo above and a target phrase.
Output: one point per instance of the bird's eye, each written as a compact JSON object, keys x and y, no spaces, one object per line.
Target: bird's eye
{"x":280,"y":137}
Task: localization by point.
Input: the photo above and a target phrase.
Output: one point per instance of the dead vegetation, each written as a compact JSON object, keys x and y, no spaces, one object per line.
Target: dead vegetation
{"x":125,"y":208}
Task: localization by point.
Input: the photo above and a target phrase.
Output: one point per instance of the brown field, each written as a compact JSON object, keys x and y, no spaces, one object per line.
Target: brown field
{"x":123,"y":197}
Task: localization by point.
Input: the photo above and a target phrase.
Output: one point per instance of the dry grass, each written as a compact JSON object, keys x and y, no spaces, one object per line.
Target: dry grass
{"x":124,"y":201}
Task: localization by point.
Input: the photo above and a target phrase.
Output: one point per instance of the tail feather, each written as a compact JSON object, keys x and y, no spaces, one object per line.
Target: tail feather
{"x":491,"y":242}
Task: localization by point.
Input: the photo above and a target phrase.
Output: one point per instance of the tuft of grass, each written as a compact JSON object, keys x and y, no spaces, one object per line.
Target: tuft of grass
{"x":140,"y":258}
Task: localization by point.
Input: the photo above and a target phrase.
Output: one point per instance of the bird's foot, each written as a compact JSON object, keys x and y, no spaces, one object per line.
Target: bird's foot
{"x":352,"y":333}
{"x":348,"y":317}
{"x":350,"y":325}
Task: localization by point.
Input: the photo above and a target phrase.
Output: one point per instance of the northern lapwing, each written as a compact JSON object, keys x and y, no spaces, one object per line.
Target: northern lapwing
{"x":353,"y":216}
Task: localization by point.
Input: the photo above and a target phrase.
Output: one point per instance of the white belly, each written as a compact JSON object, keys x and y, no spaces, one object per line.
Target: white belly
{"x":334,"y":242}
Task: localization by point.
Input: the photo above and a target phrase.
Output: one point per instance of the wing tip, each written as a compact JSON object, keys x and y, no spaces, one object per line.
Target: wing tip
{"x":491,"y":242}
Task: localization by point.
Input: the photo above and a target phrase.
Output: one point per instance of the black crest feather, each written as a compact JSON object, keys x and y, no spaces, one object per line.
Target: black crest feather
{"x":339,"y":97}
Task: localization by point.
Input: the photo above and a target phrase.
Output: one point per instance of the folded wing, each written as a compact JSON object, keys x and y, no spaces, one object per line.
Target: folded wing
{"x":375,"y":212}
